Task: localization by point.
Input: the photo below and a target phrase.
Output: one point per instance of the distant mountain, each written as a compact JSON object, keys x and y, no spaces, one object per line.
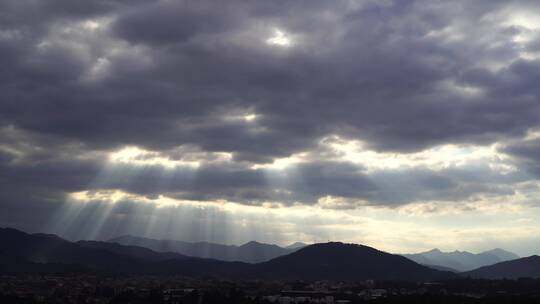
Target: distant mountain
{"x":296,"y":245}
{"x":461,"y":260}
{"x":252,"y":252}
{"x":30,"y":250}
{"x":132,"y":251}
{"x":338,"y":261}
{"x":502,"y":254}
{"x":37,"y":253}
{"x":528,"y":267}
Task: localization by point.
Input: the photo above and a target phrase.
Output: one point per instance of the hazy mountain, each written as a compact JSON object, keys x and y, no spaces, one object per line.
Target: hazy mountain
{"x":26,"y":253}
{"x":297,"y":245}
{"x":132,"y":251}
{"x":38,"y":249}
{"x":502,"y":254}
{"x":22,"y":252}
{"x":338,"y":261}
{"x":252,"y":252}
{"x":524,"y":267}
{"x":461,"y":260}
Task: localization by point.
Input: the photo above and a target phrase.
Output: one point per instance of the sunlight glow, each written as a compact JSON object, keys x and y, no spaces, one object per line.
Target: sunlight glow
{"x":529,"y":26}
{"x":280,"y":38}
{"x":139,"y":157}
{"x":240,"y":116}
{"x":250,"y":117}
{"x":436,"y":158}
{"x":282,"y":163}
{"x":109,"y":196}
{"x":91,"y":25}
{"x":464,"y":90}
{"x":380,"y":227}
{"x":528,"y":20}
{"x":115,"y":196}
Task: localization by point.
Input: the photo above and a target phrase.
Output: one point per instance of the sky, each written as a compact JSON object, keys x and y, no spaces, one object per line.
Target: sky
{"x":403,"y":125}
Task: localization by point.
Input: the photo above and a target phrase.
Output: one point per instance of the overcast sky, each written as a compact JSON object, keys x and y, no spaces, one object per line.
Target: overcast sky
{"x":404,"y":125}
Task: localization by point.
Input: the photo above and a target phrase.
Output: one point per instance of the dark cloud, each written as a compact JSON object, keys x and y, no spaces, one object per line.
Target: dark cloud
{"x":526,"y":153}
{"x":372,"y":72}
{"x":177,"y":21}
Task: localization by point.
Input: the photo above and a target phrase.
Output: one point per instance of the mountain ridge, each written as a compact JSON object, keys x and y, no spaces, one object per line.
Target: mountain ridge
{"x":312,"y":262}
{"x":250,"y":252}
{"x":27,"y":253}
{"x":461,"y":260}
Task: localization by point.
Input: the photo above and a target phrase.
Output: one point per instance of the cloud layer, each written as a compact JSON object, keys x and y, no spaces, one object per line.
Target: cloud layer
{"x":338,"y":105}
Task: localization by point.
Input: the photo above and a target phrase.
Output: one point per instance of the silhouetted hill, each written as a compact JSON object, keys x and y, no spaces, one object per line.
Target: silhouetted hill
{"x":528,"y":267}
{"x":338,"y":261}
{"x":461,"y":260}
{"x":35,"y":253}
{"x":45,"y":249}
{"x":252,"y":252}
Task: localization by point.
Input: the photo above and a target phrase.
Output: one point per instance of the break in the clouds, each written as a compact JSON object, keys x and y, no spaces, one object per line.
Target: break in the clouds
{"x":237,"y":115}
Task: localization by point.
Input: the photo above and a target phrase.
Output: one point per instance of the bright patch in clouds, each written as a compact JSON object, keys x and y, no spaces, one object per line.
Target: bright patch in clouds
{"x":239,"y":115}
{"x":280,"y":38}
{"x":528,"y":25}
{"x":452,"y":87}
{"x":282,"y":163}
{"x":436,"y":158}
{"x":250,"y":117}
{"x":139,"y":157}
{"x":527,"y":19}
{"x":115,"y":196}
{"x":91,"y":25}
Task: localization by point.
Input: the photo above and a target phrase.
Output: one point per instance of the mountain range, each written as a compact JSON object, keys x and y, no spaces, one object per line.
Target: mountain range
{"x":255,"y":252}
{"x":460,"y":261}
{"x":21,"y":252}
{"x":251,"y":252}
